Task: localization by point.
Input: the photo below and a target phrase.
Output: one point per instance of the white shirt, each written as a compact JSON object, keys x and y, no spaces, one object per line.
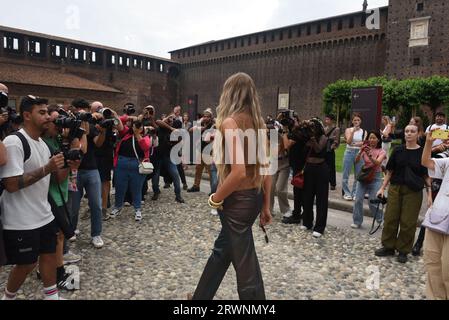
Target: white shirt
{"x":441,"y":204}
{"x":26,"y":209}
{"x":434,"y":127}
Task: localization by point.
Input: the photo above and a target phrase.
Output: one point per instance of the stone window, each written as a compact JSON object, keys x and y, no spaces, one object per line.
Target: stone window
{"x":113,"y":59}
{"x":416,"y":61}
{"x":58,"y":50}
{"x":15,"y":44}
{"x":148,"y":65}
{"x":419,"y":32}
{"x":161,"y":67}
{"x":94,"y":56}
{"x":281,"y":36}
{"x":420,"y":6}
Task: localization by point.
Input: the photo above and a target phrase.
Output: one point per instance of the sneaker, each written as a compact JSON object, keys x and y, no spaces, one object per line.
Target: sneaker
{"x":384,"y":252}
{"x":214,"y":212}
{"x":179,"y":199}
{"x":65,"y":285}
{"x":138,"y":216}
{"x":317,"y":235}
{"x":155,"y":197}
{"x":292,"y":220}
{"x":402,"y":258}
{"x":106,"y":216}
{"x":71,"y":258}
{"x":288,"y":214}
{"x":97,"y":242}
{"x":194,"y":189}
{"x":355,"y":226}
{"x":115,"y":213}
{"x":347,"y":198}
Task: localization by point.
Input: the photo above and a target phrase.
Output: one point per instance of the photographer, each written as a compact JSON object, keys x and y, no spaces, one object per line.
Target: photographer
{"x":372,"y":156}
{"x":205,"y":124}
{"x":162,"y":159}
{"x":56,"y":139}
{"x":30,"y":232}
{"x":105,"y":154}
{"x":436,"y":247}
{"x":88,"y":175}
{"x":295,"y":144}
{"x":316,"y":175}
{"x":130,"y":151}
{"x":10,"y":121}
{"x":408,"y":178}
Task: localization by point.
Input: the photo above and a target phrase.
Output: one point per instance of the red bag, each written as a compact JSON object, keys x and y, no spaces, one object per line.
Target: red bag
{"x":298,"y":180}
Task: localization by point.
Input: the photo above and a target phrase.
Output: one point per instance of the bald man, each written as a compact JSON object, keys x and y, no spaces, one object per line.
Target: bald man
{"x":96,"y":106}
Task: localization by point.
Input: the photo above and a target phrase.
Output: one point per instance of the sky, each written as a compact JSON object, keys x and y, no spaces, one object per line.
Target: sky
{"x":156,"y":27}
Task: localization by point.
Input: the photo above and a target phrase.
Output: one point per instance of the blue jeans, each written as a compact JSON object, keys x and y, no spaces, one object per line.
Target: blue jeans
{"x":91,"y":182}
{"x":370,"y":189}
{"x":214,"y":178}
{"x":127,"y":176}
{"x":172,"y":171}
{"x":348,"y":164}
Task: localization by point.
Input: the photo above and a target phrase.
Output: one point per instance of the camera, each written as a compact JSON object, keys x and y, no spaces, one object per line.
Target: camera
{"x":73,"y":124}
{"x":69,"y":154}
{"x":84,"y":117}
{"x":443,"y":155}
{"x":129,"y":109}
{"x":287,"y":118}
{"x":13,"y":116}
{"x":380,"y":200}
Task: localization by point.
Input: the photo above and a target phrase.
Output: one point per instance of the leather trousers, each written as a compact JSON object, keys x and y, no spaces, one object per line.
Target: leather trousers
{"x":235,"y":245}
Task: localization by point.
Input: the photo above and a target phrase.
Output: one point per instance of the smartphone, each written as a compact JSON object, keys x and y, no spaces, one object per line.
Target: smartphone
{"x":441,"y":134}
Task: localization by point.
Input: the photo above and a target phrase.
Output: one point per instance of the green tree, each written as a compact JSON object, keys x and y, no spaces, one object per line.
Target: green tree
{"x":434,"y":92}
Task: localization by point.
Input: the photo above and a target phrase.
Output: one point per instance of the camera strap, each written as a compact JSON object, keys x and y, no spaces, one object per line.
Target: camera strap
{"x":373,"y":227}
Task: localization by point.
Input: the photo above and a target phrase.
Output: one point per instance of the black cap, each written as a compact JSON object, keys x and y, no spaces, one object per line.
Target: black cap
{"x":81,"y":104}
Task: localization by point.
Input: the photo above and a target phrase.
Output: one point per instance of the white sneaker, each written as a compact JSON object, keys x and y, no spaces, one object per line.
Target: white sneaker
{"x":347,"y":198}
{"x":70,"y":258}
{"x":355,"y":226}
{"x":288,"y":214}
{"x":97,"y":242}
{"x":214,"y":212}
{"x":317,"y":235}
{"x":138,"y":216}
{"x":77,"y":232}
{"x":115,"y":213}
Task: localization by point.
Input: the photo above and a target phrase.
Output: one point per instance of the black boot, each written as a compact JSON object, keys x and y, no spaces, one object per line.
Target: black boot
{"x":294,"y":219}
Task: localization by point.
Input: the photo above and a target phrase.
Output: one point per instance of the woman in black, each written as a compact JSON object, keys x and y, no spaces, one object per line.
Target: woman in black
{"x":408,"y":179}
{"x":316,"y":181}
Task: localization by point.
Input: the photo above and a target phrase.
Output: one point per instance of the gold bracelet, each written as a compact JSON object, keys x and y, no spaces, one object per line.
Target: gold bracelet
{"x":215,"y":203}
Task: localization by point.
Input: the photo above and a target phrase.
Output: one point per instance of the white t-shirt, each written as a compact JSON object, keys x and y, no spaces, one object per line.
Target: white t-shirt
{"x":441,"y":204}
{"x":26,"y":209}
{"x":434,"y":127}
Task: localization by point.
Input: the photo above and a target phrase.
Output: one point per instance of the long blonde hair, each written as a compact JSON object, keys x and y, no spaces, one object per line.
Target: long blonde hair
{"x":239,"y":96}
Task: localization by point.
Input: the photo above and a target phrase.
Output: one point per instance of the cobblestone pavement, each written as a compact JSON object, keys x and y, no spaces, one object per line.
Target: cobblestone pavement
{"x":162,"y":258}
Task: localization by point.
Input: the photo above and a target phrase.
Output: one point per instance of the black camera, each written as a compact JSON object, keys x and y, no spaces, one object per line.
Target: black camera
{"x":74,"y":125}
{"x":380,"y":200}
{"x":3,"y":100}
{"x":287,"y":118}
{"x":13,"y":116}
{"x":84,"y":117}
{"x":129,"y":109}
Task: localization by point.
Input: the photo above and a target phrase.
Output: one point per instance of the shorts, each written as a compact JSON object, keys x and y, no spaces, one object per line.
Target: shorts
{"x":2,"y":248}
{"x":105,"y":166}
{"x":23,"y":247}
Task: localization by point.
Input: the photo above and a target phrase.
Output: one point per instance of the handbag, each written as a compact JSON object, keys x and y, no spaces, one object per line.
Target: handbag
{"x":436,"y":222}
{"x":145,"y":167}
{"x":298,"y":179}
{"x":367,"y":175}
{"x":413,"y":181}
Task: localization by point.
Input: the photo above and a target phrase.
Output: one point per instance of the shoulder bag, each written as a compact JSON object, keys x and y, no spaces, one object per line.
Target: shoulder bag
{"x":145,"y":167}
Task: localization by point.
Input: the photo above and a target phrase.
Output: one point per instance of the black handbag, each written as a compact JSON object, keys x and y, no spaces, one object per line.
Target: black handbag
{"x":367,"y":175}
{"x":62,"y":216}
{"x":412,"y":180}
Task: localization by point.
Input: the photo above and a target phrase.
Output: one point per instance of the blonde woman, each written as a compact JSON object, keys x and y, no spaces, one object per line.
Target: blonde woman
{"x":242,"y":195}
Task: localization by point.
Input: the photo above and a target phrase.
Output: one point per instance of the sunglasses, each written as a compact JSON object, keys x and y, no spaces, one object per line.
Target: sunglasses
{"x":266,"y":235}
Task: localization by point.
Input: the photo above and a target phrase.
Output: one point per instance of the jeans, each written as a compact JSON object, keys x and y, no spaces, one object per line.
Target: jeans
{"x":164,"y":161}
{"x":371,"y":189}
{"x":213,"y":179}
{"x":91,"y":182}
{"x":348,"y":164}
{"x":128,"y":176}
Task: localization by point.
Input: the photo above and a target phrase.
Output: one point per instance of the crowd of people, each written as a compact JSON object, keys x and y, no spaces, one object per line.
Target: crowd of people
{"x":59,"y":155}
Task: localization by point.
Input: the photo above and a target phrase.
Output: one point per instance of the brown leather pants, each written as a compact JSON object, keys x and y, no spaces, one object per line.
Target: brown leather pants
{"x":235,"y":245}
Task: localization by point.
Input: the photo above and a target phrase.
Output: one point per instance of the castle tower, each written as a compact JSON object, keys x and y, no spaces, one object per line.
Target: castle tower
{"x":418,"y":38}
